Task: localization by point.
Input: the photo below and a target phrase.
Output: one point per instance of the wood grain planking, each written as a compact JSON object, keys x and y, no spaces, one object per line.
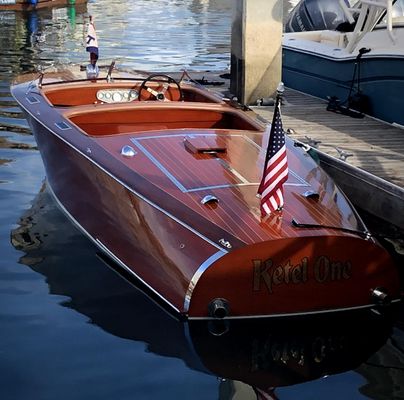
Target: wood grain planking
{"x":376,"y":147}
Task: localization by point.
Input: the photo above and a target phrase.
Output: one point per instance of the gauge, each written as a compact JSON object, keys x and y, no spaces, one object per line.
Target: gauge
{"x":117,"y":96}
{"x":133,"y":94}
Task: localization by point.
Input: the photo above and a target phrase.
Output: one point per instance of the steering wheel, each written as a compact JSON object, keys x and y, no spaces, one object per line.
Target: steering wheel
{"x":157,"y":87}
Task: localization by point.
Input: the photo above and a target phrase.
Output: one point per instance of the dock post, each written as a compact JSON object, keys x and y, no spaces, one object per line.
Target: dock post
{"x":256,"y":49}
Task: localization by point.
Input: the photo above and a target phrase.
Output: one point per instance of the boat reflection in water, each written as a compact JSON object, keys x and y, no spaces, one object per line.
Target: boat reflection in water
{"x":254,"y":356}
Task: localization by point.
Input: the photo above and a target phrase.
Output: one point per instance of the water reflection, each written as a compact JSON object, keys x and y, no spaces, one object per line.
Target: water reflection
{"x":163,"y":35}
{"x":250,"y":357}
{"x":38,"y":38}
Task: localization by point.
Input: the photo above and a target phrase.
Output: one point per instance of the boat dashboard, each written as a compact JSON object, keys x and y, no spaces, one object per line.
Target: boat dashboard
{"x":86,"y":92}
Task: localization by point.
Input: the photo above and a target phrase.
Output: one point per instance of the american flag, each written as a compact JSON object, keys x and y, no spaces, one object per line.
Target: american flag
{"x":276,"y":167}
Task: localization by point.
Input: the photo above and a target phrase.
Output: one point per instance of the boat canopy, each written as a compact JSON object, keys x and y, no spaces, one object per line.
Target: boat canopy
{"x":357,"y":18}
{"x":369,"y":13}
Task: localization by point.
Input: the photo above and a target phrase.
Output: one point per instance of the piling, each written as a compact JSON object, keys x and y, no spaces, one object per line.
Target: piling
{"x":256,"y":48}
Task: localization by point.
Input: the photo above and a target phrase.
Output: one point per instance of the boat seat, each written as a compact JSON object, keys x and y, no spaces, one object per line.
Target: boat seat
{"x":332,"y":38}
{"x":147,"y":117}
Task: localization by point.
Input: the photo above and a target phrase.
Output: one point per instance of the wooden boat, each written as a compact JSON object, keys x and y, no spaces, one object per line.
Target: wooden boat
{"x":167,"y":190}
{"x":25,"y":5}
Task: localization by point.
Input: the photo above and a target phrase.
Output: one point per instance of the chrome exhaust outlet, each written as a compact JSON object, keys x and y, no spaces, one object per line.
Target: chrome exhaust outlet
{"x":218,"y":308}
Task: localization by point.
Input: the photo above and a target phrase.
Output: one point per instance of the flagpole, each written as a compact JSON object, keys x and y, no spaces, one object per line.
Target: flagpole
{"x":276,"y":170}
{"x":278,"y":101}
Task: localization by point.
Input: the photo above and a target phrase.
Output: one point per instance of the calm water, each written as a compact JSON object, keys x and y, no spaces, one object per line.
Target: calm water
{"x":70,"y":328}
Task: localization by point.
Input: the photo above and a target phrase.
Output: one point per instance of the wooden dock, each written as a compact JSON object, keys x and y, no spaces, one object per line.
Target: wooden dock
{"x":365,"y":156}
{"x":373,"y":145}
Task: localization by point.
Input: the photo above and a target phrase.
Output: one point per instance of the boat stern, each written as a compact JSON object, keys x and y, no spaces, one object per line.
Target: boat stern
{"x":294,"y":276}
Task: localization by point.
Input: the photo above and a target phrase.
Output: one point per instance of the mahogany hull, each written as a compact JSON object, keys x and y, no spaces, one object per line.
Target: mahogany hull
{"x":182,"y":251}
{"x":136,"y":234}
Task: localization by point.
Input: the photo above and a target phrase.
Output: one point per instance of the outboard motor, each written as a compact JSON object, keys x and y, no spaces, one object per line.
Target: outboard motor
{"x":314,"y":15}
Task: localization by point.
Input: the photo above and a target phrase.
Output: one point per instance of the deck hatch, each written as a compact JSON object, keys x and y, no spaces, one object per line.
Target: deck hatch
{"x":32,"y":100}
{"x":63,"y":126}
{"x":205,"y":144}
{"x":192,"y":172}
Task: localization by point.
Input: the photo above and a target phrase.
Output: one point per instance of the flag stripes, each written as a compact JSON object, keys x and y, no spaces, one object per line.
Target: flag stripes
{"x":276,"y":167}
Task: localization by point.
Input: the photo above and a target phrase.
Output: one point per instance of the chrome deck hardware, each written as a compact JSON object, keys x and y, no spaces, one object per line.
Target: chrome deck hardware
{"x":128,"y":151}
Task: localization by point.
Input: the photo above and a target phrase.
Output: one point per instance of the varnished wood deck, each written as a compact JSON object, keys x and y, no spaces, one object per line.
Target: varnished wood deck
{"x":372,"y":145}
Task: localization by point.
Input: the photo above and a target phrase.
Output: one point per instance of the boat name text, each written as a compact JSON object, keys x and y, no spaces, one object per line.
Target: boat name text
{"x":324,"y":270}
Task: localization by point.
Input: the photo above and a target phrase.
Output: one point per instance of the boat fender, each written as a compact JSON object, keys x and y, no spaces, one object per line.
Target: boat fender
{"x":218,"y":308}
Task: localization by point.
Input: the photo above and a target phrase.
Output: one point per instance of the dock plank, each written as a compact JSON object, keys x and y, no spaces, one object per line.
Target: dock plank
{"x":376,"y":147}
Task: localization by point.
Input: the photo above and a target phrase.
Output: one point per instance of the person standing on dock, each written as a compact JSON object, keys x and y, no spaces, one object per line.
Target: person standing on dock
{"x":92,"y":47}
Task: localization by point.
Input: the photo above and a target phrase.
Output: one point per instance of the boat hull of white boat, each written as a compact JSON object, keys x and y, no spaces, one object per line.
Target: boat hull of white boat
{"x":381,"y":80}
